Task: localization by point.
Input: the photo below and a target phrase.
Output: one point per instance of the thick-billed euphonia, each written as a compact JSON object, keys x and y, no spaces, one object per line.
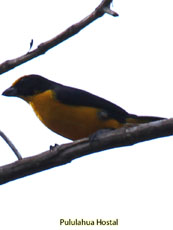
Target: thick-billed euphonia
{"x":71,"y":112}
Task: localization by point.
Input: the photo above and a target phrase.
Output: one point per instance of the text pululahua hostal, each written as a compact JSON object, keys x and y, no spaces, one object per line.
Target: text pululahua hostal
{"x":77,"y":222}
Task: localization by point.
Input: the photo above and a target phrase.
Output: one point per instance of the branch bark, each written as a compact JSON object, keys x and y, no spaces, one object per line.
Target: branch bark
{"x":103,"y":8}
{"x":65,"y":153}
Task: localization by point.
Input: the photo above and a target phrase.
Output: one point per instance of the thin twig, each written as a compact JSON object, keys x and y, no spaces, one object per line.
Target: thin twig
{"x":109,"y":11}
{"x":10,"y":144}
{"x":103,"y":8}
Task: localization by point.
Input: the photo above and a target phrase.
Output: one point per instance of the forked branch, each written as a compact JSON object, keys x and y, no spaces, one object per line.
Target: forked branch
{"x":65,"y":153}
{"x":103,"y":8}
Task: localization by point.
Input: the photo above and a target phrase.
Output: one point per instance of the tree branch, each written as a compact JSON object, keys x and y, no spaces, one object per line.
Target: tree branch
{"x":10,"y":144}
{"x":103,"y":8}
{"x":65,"y":153}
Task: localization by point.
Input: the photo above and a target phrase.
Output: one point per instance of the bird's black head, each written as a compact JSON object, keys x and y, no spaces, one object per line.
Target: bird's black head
{"x":29,"y":85}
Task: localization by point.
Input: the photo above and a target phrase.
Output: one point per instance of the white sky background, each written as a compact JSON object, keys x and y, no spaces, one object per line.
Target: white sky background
{"x":127,"y":60}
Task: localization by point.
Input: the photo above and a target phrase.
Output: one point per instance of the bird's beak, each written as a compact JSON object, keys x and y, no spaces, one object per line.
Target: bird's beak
{"x":12,"y":91}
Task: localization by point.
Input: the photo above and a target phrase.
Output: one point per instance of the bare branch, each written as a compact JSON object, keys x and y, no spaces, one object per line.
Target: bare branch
{"x":64,"y":154}
{"x":10,"y":144}
{"x":103,"y":8}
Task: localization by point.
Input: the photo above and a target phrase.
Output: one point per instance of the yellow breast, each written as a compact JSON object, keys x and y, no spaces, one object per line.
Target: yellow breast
{"x":73,"y":122}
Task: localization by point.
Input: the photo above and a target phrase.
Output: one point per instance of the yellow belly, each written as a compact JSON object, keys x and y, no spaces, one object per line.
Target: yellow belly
{"x":73,"y":122}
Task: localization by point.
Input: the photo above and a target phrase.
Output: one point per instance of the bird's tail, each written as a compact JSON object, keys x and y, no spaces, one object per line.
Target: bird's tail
{"x":133,"y":119}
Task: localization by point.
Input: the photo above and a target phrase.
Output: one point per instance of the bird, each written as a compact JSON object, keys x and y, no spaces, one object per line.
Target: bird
{"x":71,"y":112}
